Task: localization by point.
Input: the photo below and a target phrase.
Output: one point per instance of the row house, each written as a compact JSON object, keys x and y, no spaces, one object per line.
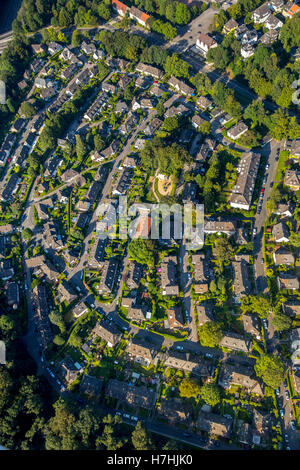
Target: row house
{"x":131,"y":395}
{"x":180,"y":86}
{"x":241,"y":281}
{"x":239,"y":375}
{"x":41,"y":308}
{"x":220,"y":225}
{"x":242,"y":192}
{"x":169,"y":277}
{"x":202,"y":273}
{"x":97,"y":253}
{"x":236,"y":342}
{"x":141,"y":352}
{"x":149,"y":70}
{"x":108,"y":276}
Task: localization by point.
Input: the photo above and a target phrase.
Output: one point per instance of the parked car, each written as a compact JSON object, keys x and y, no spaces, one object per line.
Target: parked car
{"x":281,"y":412}
{"x":293,"y":425}
{"x":287,"y":395}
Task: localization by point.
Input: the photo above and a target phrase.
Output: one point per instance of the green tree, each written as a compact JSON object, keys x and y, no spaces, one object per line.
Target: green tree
{"x":27,"y":109}
{"x":140,"y":438}
{"x":189,"y":388}
{"x":281,"y":322}
{"x":210,"y":393}
{"x":270,"y":369}
{"x":27,"y":234}
{"x":210,"y":334}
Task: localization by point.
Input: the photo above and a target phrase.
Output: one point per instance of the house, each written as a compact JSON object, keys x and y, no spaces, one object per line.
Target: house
{"x":83,"y":206}
{"x":197,"y":121}
{"x":235,"y":342}
{"x":51,"y":165}
{"x":152,"y":127}
{"x":18,"y":125}
{"x":205,"y":42}
{"x":51,"y":236}
{"x":174,"y":411}
{"x":202,"y":273}
{"x":236,"y":374}
{"x":38,"y":48}
{"x":141,"y":352}
{"x":69,"y":72}
{"x":88,"y":49}
{"x":13,"y":295}
{"x":295,"y":145}
{"x":261,"y":426}
{"x":261,"y":14}
{"x":290,"y":10}
{"x":292,"y":179}
{"x":276,"y":5}
{"x":204,"y":313}
{"x":123,"y":182}
{"x":228,"y":227}
{"x":214,"y":424}
{"x":281,"y":233}
{"x":203,"y":102}
{"x":136,"y":313}
{"x":230,"y":26}
{"x":131,"y":395}
{"x":291,"y":308}
{"x":80,"y":309}
{"x":175,"y":319}
{"x":180,"y":86}
{"x":283,"y":257}
{"x":41,"y":308}
{"x":247,"y":50}
{"x":11,"y":187}
{"x":273,"y":23}
{"x":68,"y":370}
{"x":242,"y":192}
{"x":121,"y":107}
{"x":288,"y":281}
{"x":108,"y":276}
{"x":130,"y":123}
{"x":189,"y":363}
{"x":124,"y":81}
{"x":269,"y":37}
{"x":169,"y":279}
{"x":251,"y":325}
{"x":143,"y":82}
{"x":189,"y":193}
{"x":91,"y":386}
{"x":43,"y":208}
{"x":54,"y":47}
{"x":139,"y":16}
{"x":156,"y":91}
{"x":134,"y":275}
{"x":241,"y":280}
{"x":237,"y":131}
{"x":97,"y":253}
{"x":107,"y":332}
{"x":120,"y":7}
{"x":130,"y":162}
{"x":284,"y":210}
{"x":66,"y":293}
{"x":149,"y":70}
